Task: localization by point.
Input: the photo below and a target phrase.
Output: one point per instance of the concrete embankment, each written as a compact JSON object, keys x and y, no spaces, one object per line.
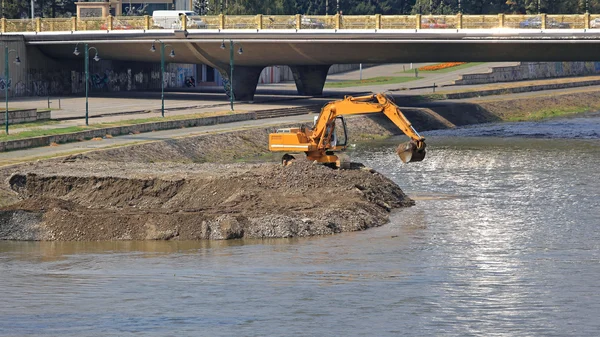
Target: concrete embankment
{"x":429,"y":114}
{"x":510,"y":108}
{"x":122,"y":130}
{"x":191,"y":188}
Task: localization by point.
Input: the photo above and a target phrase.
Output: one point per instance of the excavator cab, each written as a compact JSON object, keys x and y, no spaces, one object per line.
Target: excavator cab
{"x":339,"y":136}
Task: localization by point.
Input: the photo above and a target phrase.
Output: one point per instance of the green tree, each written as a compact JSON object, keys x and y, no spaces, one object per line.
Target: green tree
{"x":369,"y":7}
{"x":17,"y":9}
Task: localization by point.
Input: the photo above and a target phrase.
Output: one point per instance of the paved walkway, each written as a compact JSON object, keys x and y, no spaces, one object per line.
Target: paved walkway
{"x":112,"y":103}
{"x":429,"y":78}
{"x":114,"y":107}
{"x":269,"y":96}
{"x":12,"y":157}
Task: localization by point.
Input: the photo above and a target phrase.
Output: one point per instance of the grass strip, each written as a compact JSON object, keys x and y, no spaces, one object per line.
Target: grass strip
{"x":445,"y":70}
{"x":33,"y":124}
{"x":548,"y":113}
{"x":371,"y":81}
{"x":71,"y":129}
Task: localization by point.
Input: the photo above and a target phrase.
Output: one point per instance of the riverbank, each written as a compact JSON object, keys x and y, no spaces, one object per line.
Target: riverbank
{"x":502,"y":104}
{"x":507,"y":108}
{"x":206,"y":187}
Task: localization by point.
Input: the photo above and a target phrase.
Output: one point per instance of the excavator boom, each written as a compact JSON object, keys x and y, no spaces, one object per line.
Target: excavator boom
{"x":320,"y":142}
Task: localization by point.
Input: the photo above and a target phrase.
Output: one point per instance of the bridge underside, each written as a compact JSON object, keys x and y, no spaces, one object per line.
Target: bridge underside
{"x":310,"y":54}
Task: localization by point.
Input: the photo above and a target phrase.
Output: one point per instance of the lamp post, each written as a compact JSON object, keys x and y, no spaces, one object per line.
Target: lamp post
{"x":6,"y":79}
{"x":162,"y":71}
{"x":87,"y":73}
{"x":240,"y":51}
{"x":587,"y":6}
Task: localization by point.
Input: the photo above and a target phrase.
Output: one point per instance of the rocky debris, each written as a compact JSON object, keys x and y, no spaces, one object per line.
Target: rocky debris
{"x":85,"y":199}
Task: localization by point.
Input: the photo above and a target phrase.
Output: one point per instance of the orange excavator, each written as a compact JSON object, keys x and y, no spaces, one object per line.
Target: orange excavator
{"x":320,"y":142}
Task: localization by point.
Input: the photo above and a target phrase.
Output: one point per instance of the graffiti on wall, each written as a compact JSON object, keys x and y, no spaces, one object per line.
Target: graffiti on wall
{"x":3,"y":84}
{"x":105,"y":76}
{"x":44,"y":82}
{"x":100,"y":81}
{"x":20,"y":89}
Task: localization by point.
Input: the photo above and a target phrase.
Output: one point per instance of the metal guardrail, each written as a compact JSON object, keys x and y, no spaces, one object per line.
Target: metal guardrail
{"x":265,"y":22}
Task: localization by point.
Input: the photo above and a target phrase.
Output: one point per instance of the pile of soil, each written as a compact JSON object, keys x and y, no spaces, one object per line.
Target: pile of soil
{"x":90,"y":199}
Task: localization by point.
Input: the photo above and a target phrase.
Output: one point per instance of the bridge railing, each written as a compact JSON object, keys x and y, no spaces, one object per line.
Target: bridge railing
{"x":93,"y":24}
{"x":260,"y":22}
{"x":56,"y":25}
{"x":397,"y":22}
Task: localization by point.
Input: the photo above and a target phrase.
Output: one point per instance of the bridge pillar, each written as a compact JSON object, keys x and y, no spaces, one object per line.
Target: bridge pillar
{"x":310,"y":79}
{"x":245,"y":80}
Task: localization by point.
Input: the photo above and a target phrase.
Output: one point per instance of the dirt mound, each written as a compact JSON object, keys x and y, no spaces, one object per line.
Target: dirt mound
{"x":84,"y":199}
{"x":216,"y":148}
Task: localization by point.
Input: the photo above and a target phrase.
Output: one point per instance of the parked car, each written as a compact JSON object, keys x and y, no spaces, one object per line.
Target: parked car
{"x":307,"y":23}
{"x":311,"y":23}
{"x":595,"y":23}
{"x":433,"y":23}
{"x":172,"y":19}
{"x":117,"y":25}
{"x":536,"y":22}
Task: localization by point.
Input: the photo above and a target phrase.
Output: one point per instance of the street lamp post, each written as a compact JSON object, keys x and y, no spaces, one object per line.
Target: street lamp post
{"x":587,"y":6}
{"x":6,"y":79}
{"x":162,"y":71}
{"x":87,"y":73}
{"x":231,"y":62}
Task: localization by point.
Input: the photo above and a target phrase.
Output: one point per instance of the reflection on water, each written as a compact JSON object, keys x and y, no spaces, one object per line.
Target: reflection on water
{"x":504,"y":240}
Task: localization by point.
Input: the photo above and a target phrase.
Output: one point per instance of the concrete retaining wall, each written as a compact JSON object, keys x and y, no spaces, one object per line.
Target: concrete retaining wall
{"x":17,"y":73}
{"x":286,"y":72}
{"x":531,"y":71}
{"x":24,"y":116}
{"x":529,"y":88}
{"x":39,"y":75}
{"x":122,"y":130}
{"x":44,"y":115}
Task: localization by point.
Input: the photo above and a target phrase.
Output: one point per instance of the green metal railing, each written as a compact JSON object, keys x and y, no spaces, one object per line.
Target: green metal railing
{"x":265,"y":22}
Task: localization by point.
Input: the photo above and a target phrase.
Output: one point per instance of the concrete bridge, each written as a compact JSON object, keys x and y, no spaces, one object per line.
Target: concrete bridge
{"x":311,"y":50}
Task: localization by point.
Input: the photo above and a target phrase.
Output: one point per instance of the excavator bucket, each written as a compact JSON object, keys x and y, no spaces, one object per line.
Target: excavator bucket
{"x":410,"y":152}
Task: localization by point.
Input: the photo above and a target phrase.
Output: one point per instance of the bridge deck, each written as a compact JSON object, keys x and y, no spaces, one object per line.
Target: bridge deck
{"x":299,"y":22}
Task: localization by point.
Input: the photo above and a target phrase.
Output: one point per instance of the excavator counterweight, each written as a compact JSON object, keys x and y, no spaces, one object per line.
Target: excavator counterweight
{"x":320,"y":142}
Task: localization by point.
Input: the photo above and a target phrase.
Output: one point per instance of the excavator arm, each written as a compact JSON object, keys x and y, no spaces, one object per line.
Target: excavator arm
{"x":317,"y":142}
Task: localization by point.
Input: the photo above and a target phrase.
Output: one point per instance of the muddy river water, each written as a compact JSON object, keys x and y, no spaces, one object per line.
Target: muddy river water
{"x":504,"y":241}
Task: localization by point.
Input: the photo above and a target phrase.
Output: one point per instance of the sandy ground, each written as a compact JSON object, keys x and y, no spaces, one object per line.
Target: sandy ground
{"x":191,"y":188}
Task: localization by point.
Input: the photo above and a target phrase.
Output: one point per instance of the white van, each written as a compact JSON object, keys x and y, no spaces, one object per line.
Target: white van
{"x":172,"y":19}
